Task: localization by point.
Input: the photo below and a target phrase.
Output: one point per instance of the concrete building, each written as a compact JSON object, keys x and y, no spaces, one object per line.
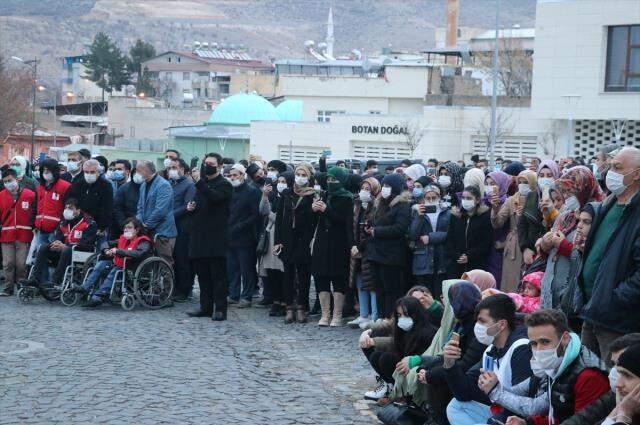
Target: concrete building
{"x":75,"y":87}
{"x":587,"y":70}
{"x":205,"y":75}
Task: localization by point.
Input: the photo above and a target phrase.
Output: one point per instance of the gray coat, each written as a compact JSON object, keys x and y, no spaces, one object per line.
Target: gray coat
{"x":431,"y":258}
{"x":556,"y":274}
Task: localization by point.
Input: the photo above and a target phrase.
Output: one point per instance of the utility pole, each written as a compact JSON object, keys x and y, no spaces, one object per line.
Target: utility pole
{"x":494,"y":94}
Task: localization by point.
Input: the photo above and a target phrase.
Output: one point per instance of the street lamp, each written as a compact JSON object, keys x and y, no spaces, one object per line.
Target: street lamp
{"x":33,"y":64}
{"x":570,"y":134}
{"x":141,"y":95}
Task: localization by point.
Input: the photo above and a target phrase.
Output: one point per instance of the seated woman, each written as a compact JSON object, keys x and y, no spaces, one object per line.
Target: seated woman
{"x":412,"y":334}
{"x":133,"y":246}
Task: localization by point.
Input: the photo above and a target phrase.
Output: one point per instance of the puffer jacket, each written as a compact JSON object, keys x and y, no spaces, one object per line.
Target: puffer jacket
{"x":388,"y":245}
{"x":471,"y":235}
{"x":431,"y":258}
{"x":595,"y":412}
{"x":360,"y":240}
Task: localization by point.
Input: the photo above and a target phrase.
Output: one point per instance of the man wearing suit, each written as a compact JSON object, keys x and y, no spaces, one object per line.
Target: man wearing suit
{"x":155,"y":209}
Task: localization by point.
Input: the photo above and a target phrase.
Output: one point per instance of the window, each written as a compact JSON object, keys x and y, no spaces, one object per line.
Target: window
{"x":186,"y":76}
{"x":169,"y":59}
{"x":508,"y":148}
{"x":375,"y":112}
{"x":623,"y":58}
{"x":325,"y":116}
{"x":379,"y":151}
{"x":300,"y":153}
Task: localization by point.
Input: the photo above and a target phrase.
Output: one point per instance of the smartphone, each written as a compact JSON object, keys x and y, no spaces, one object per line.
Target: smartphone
{"x":455,"y":336}
{"x":430,"y":209}
{"x":496,"y":190}
{"x":431,"y":171}
{"x":546,"y":193}
{"x":268,"y":181}
{"x":488,"y":364}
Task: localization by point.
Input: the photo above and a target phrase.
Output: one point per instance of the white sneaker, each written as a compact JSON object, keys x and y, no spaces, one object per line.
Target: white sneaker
{"x":382,"y":390}
{"x":365,"y":324}
{"x":355,"y":323}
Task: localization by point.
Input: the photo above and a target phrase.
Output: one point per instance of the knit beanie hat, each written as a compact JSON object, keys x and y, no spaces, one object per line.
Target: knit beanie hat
{"x":395,"y":181}
{"x":630,"y":359}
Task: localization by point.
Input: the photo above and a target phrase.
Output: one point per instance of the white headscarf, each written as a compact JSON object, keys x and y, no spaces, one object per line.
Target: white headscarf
{"x":23,"y":164}
{"x":415,"y":171}
{"x":474,"y":177}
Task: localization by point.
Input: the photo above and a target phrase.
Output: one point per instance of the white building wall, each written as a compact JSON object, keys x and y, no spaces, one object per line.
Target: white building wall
{"x":570,"y":56}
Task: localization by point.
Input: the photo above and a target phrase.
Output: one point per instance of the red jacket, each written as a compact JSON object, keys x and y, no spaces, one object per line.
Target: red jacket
{"x":51,"y":205}
{"x":125,"y":244}
{"x":73,"y":234}
{"x":17,"y":216}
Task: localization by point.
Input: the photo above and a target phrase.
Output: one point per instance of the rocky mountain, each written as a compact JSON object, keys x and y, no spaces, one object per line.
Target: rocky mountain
{"x":51,"y":29}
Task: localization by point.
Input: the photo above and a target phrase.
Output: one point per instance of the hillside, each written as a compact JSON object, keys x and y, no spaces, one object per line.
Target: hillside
{"x":268,"y":28}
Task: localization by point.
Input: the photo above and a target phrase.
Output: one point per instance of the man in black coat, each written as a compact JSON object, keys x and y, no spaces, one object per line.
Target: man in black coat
{"x":243,"y":237}
{"x":75,"y":163}
{"x":125,"y":204}
{"x":208,"y":242}
{"x":95,"y":197}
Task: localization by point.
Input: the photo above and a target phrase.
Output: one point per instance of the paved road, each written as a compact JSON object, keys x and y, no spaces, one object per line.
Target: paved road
{"x":69,"y":365}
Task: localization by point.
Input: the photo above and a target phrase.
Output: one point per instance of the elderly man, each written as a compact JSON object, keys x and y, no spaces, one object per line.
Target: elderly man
{"x":611,"y":272}
{"x":95,"y":197}
{"x":243,"y":237}
{"x":155,"y":209}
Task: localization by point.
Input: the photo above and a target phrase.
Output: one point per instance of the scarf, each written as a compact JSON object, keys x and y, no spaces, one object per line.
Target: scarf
{"x":337,"y":190}
{"x":446,"y":324}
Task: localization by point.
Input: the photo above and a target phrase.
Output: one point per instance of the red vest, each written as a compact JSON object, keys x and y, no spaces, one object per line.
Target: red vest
{"x":128,"y":245}
{"x":17,"y":216}
{"x":73,"y":234}
{"x":51,"y":205}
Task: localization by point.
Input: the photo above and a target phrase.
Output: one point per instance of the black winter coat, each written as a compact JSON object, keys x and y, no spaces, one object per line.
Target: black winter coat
{"x":125,"y":205}
{"x":615,"y":300}
{"x":95,"y":199}
{"x":244,"y":216}
{"x":471,"y":235}
{"x":431,"y":258}
{"x":388,"y":245}
{"x":295,"y":224}
{"x":333,"y":239}
{"x":530,"y":227}
{"x":209,"y":221}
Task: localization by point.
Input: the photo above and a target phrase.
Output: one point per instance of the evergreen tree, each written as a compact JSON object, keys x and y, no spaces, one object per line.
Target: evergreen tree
{"x":140,"y":52}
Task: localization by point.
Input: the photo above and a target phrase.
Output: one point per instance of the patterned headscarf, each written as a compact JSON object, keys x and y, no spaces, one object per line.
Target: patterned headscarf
{"x":580,"y":181}
{"x":456,"y":172}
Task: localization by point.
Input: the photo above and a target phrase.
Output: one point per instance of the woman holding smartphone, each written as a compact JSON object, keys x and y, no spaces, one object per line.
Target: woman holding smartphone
{"x":428,"y":232}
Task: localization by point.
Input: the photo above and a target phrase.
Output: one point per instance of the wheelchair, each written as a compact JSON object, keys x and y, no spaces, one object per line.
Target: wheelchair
{"x":149,"y":284}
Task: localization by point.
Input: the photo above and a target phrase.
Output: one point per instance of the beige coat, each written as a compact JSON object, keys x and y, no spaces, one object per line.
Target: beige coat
{"x":512,"y":258}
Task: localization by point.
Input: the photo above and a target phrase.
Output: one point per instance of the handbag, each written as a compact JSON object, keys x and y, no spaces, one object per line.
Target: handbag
{"x":263,"y":243}
{"x":403,"y":414}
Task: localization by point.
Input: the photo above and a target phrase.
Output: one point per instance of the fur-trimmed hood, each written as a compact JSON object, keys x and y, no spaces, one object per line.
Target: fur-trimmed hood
{"x":457,"y":211}
{"x":404,"y":197}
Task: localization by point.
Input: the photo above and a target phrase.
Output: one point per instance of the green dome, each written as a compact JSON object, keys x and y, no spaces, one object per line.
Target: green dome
{"x":242,"y":108}
{"x":290,"y":110}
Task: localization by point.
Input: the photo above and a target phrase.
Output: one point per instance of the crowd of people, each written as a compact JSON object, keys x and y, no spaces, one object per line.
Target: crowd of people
{"x":505,"y":293}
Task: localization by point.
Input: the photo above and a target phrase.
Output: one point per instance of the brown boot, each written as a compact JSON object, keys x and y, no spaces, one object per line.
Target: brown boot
{"x":325,"y":306}
{"x":291,"y":315}
{"x":338,"y":302}
{"x":301,"y":315}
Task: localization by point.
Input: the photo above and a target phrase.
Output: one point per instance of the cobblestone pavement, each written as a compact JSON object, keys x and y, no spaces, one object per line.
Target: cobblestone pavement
{"x":61,"y":365}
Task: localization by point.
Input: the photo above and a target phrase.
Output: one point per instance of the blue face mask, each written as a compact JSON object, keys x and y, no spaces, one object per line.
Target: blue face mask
{"x":117,"y":175}
{"x":417,"y":192}
{"x":498,"y":167}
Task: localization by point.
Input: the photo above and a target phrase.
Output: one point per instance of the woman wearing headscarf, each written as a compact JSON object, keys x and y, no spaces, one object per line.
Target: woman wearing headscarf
{"x":469,"y":239}
{"x":332,"y":245}
{"x":450,"y":180}
{"x":294,"y":229}
{"x":413,"y":173}
{"x":578,"y":187}
{"x":387,"y":249}
{"x":497,"y":183}
{"x":530,"y":226}
{"x":513,"y":170}
{"x":474,"y":177}
{"x":482,"y":279}
{"x":360,"y":271}
{"x":23,"y":169}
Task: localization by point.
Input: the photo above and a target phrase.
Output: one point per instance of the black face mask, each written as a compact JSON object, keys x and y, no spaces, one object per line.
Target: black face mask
{"x":209,"y":170}
{"x":260,"y":181}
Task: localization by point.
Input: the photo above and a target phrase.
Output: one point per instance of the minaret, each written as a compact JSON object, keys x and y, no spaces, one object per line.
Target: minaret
{"x":330,"y":38}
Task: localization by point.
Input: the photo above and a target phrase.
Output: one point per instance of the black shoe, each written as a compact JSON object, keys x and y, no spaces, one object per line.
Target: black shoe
{"x":6,"y":293}
{"x":79,"y":290}
{"x":93,"y":303}
{"x":219,"y":316}
{"x":48,"y":294}
{"x":273,"y":311}
{"x":198,"y":313}
{"x":30,"y":282}
{"x":264,"y":302}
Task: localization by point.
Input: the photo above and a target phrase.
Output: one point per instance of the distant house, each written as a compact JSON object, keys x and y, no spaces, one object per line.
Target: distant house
{"x":20,"y":144}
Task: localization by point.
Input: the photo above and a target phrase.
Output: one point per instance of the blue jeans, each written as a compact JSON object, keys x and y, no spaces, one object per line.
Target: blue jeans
{"x":98,"y":272}
{"x":107,"y":283}
{"x":367,"y":300}
{"x":241,"y":268}
{"x":467,"y":412}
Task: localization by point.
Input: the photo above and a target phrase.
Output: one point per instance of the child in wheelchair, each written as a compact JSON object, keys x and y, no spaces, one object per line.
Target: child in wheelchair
{"x":132,"y":247}
{"x":78,"y":230}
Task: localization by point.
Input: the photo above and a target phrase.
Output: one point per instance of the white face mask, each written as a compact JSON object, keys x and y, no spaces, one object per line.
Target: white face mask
{"x":108,"y":174}
{"x":545,"y":182}
{"x":317,"y":188}
{"x":571,"y":204}
{"x":365,"y":196}
{"x":68,"y":214}
{"x":272,"y":175}
{"x":548,"y":360}
{"x":47,"y":176}
{"x":385,"y":192}
{"x":524,"y":189}
{"x":613,"y":378}
{"x":36,"y":174}
{"x":536,"y":369}
{"x":72,"y":166}
{"x":373,"y":170}
{"x":468,"y":204}
{"x":281,"y":187}
{"x":302,"y":181}
{"x":91,"y":178}
{"x":12,"y":186}
{"x":482,"y":335}
{"x":167,"y":162}
{"x":173,"y":174}
{"x":444,"y":181}
{"x":138,"y":179}
{"x":405,"y":323}
{"x":615,"y":182}
{"x":236,"y":182}
{"x":488,"y":190}
{"x":128,"y":234}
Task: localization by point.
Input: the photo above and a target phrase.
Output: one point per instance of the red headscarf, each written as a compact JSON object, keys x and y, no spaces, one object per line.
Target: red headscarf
{"x":580,"y":181}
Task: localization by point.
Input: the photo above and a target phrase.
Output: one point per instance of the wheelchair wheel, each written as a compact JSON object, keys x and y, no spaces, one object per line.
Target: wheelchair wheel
{"x":153,"y":283}
{"x":25,"y":295}
{"x":69,"y":298}
{"x":128,"y":302}
{"x":90,"y":263}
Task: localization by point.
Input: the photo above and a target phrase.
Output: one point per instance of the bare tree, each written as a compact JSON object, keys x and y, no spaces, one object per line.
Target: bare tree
{"x":550,"y":139}
{"x":515,"y":69}
{"x":504,"y":127}
{"x":15,"y":87}
{"x":413,"y":135}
